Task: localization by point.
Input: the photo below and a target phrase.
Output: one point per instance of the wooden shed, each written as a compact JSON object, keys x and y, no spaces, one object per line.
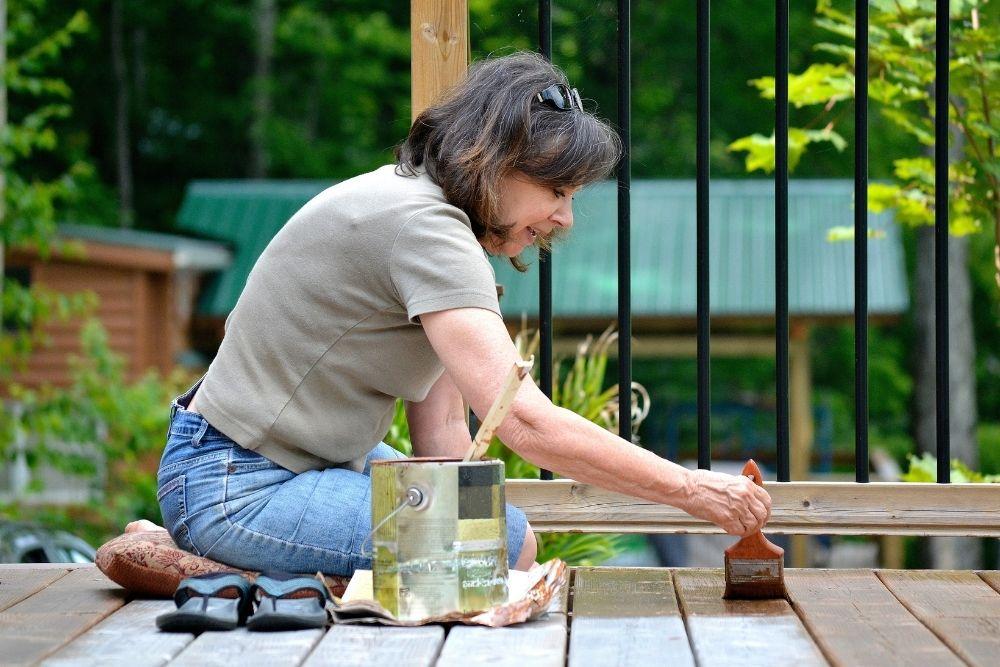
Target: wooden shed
{"x":146,"y":284}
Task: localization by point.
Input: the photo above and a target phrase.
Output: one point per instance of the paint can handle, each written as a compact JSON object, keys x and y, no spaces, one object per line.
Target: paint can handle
{"x":415,"y":498}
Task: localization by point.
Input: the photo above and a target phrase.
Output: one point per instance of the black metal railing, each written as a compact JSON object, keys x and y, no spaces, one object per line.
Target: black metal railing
{"x":861,"y":241}
{"x":781,"y":236}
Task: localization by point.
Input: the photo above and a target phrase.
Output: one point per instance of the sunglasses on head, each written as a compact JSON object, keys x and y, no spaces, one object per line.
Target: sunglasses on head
{"x":561,"y":96}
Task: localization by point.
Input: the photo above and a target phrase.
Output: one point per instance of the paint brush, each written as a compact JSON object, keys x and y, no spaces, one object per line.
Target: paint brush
{"x":499,"y":409}
{"x":754,"y":566}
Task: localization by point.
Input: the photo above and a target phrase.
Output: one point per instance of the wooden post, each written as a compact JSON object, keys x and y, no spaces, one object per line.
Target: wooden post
{"x":439,"y":43}
{"x":800,"y":395}
{"x":801,"y":416}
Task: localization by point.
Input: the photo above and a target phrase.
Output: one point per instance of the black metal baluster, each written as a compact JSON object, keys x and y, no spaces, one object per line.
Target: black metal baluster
{"x":544,"y":257}
{"x":624,"y":222}
{"x":704,"y":320}
{"x":941,"y":239}
{"x":861,"y":242}
{"x":781,"y":234}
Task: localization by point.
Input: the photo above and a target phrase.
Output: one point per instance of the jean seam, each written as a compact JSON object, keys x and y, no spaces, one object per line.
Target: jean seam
{"x":305,"y":505}
{"x":211,"y":457}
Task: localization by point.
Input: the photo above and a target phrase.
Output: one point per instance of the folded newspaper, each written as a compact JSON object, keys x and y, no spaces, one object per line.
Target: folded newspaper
{"x":531,"y":595}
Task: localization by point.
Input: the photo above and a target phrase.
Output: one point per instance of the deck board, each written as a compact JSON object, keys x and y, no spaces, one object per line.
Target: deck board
{"x":20,"y":582}
{"x":626,"y":616}
{"x":365,"y":645}
{"x":959,"y":607}
{"x":855,"y":620}
{"x":36,"y":627}
{"x":64,"y":615}
{"x":129,"y":637}
{"x":992,"y":577}
{"x":750,"y":632}
{"x":241,"y":647}
{"x":540,"y":643}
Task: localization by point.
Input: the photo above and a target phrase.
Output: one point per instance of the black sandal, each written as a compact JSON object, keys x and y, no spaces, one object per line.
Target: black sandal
{"x":288,"y":602}
{"x":217,"y":601}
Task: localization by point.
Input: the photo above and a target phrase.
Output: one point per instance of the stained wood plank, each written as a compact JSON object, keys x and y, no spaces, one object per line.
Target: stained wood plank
{"x":855,"y":620}
{"x":744,"y":632}
{"x":20,"y":582}
{"x":39,"y":625}
{"x":958,"y":607}
{"x":626,"y":616}
{"x":992,"y":577}
{"x":129,"y":637}
{"x":364,"y":645}
{"x":239,"y":647}
{"x":539,"y":643}
{"x":800,"y":508}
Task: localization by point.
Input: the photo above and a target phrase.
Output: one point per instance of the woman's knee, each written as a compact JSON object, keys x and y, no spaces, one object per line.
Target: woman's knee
{"x":529,"y":550}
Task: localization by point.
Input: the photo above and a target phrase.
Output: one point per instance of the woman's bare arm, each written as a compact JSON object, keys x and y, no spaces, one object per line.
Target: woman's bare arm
{"x":437,"y":423}
{"x":477,"y":352}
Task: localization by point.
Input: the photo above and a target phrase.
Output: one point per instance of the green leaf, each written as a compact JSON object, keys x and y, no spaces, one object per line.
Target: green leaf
{"x":819,"y":84}
{"x":846,"y":233}
{"x":760,"y":152}
{"x":919,"y":169}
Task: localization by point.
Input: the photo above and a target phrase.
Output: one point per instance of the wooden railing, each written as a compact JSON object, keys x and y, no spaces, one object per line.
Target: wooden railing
{"x":440,"y":56}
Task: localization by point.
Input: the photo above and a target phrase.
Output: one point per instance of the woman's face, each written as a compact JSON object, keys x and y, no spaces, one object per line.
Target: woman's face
{"x":531,"y":211}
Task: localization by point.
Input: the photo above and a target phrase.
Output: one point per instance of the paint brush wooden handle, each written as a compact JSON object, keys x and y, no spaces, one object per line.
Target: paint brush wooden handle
{"x":499,"y":409}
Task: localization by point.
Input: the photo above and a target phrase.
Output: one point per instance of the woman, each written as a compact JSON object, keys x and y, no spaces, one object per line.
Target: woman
{"x":377,"y":289}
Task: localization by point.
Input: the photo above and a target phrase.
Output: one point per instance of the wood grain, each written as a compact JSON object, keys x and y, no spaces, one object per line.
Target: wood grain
{"x":835,"y":508}
{"x":39,"y":625}
{"x":992,"y":577}
{"x":129,"y":637}
{"x":439,"y":49}
{"x":958,"y":607}
{"x":626,"y":616}
{"x":539,"y":643}
{"x":365,"y":645}
{"x":18,"y":583}
{"x":855,"y":620}
{"x":241,"y":647}
{"x":744,"y":632}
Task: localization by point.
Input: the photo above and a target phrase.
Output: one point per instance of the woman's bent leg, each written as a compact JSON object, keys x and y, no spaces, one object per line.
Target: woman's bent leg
{"x":237,"y":507}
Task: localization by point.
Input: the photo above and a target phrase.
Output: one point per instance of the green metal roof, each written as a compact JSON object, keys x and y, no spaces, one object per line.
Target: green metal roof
{"x":246,"y":215}
{"x":821,"y":280}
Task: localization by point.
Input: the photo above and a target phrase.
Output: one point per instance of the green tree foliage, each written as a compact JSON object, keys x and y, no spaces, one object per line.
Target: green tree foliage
{"x":103,"y":426}
{"x":339,"y":86}
{"x":902,"y":73}
{"x":35,"y":184}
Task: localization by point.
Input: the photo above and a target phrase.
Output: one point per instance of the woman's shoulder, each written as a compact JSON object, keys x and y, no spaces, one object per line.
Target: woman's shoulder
{"x":385,"y":193}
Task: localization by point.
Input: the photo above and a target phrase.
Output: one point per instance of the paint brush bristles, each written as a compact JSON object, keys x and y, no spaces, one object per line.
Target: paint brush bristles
{"x":754,"y":567}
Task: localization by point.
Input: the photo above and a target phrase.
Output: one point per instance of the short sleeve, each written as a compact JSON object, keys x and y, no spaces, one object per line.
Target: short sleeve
{"x":436,"y":263}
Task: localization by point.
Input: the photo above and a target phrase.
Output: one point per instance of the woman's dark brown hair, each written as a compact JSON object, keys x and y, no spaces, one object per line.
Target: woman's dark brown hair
{"x":492,"y":124}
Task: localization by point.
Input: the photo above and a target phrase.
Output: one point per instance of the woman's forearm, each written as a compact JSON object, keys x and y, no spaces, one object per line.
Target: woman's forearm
{"x":559,"y":440}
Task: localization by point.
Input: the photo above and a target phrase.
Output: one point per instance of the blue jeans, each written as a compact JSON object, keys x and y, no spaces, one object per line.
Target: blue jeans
{"x":237,"y":507}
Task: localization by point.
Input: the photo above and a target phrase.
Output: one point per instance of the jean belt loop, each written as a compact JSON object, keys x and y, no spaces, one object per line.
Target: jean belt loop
{"x":200,"y":433}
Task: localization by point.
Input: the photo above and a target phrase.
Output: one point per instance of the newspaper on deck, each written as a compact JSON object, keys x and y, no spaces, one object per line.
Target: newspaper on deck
{"x":531,"y":595}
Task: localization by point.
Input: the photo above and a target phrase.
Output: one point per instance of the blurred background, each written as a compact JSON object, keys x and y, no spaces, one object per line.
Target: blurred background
{"x":151,"y":150}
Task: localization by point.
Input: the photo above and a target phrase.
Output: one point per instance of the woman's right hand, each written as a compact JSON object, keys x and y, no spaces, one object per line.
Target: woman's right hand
{"x":733,"y":502}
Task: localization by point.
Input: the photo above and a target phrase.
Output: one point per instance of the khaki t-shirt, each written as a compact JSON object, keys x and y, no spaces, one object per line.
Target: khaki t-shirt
{"x":326,"y":334}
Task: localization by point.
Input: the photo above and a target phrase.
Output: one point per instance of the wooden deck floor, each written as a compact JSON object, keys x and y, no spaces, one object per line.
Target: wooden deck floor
{"x":72,"y":615}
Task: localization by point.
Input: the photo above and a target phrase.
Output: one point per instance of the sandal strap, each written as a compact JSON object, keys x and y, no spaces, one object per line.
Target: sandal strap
{"x":274,"y":587}
{"x":209,"y":585}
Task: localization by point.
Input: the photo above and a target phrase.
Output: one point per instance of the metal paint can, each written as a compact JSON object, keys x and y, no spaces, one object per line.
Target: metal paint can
{"x":440,"y":537}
